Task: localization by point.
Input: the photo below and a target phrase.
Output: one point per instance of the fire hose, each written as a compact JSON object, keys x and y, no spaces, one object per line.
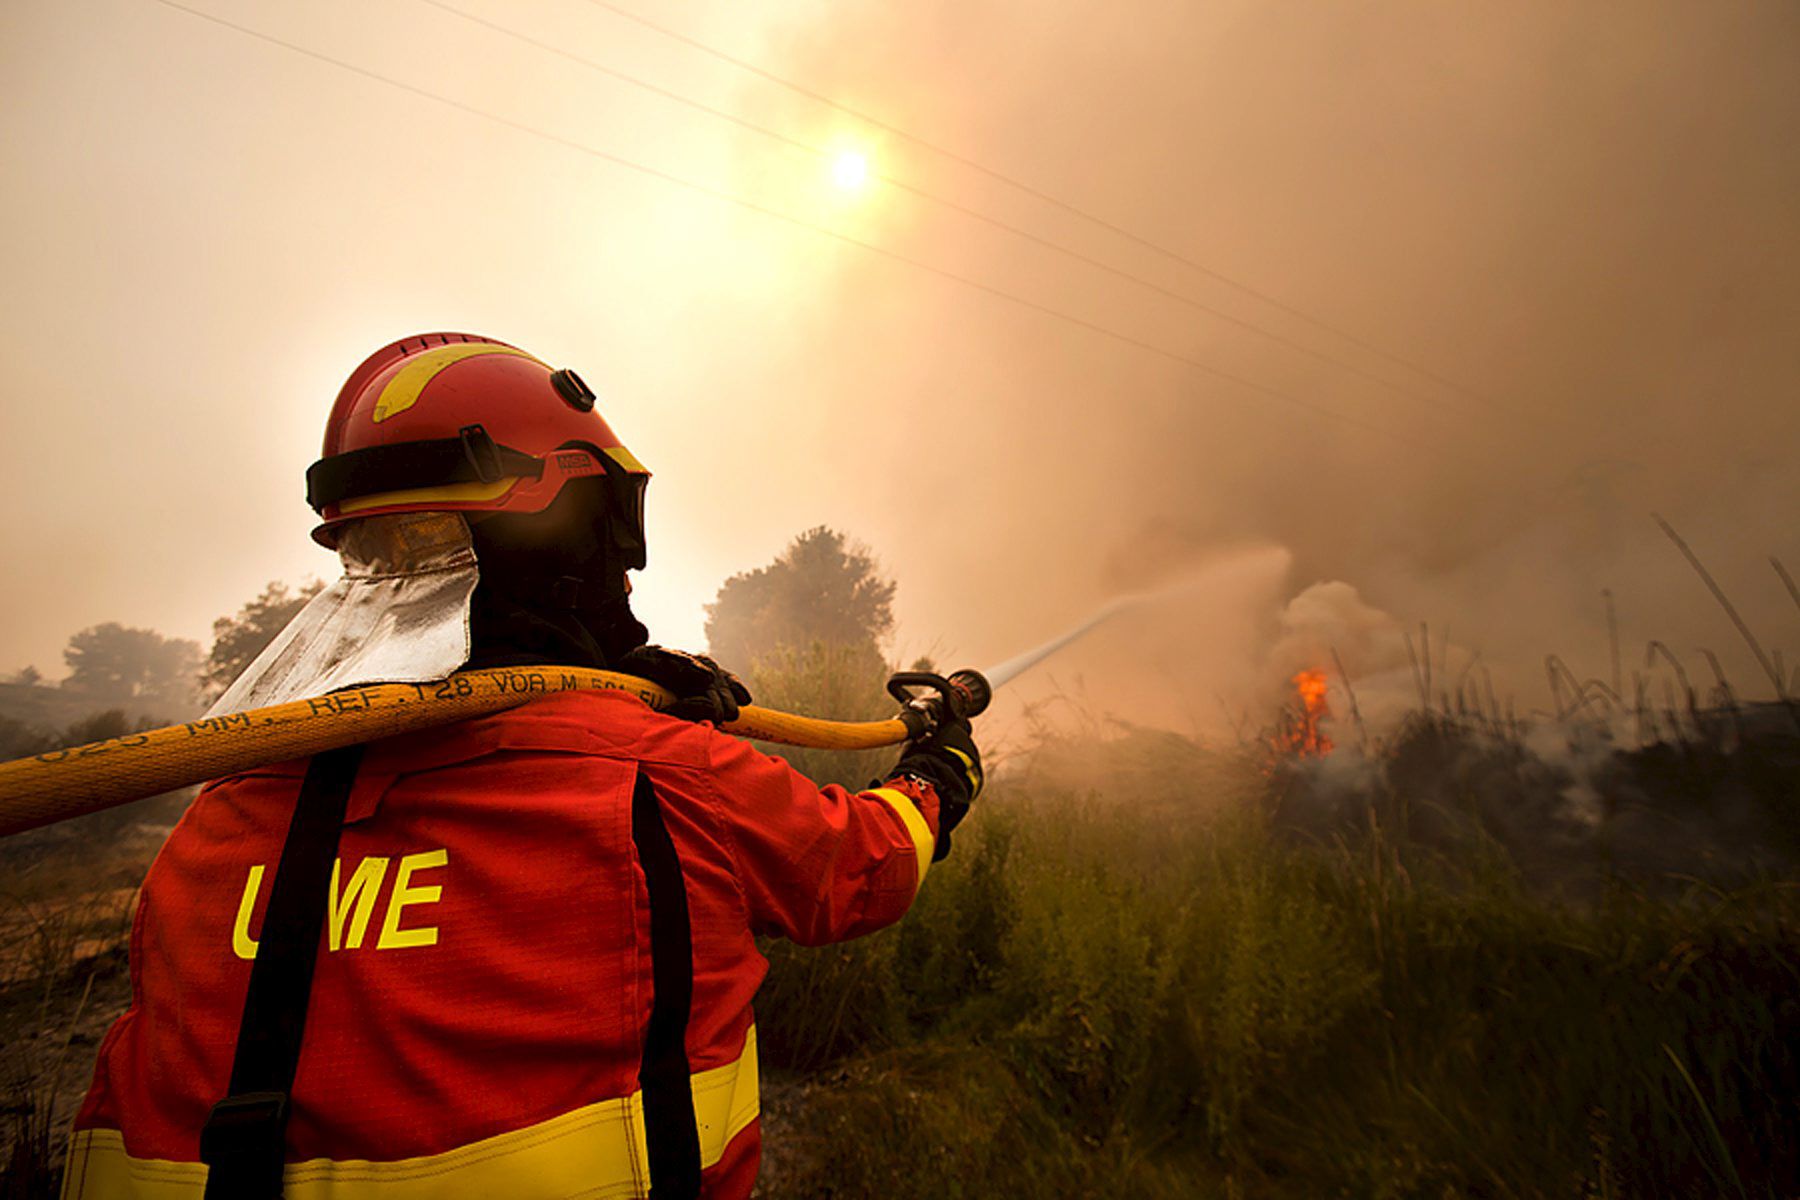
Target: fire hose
{"x":69,"y":783}
{"x":62,"y":784}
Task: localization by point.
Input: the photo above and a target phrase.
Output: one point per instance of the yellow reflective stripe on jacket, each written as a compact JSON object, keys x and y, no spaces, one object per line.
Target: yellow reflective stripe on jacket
{"x":726,"y":1100}
{"x":596,"y":1153}
{"x":923,"y":842}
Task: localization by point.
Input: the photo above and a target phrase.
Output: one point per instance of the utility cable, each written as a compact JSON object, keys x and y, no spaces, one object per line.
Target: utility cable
{"x":1046,"y":198}
{"x":942,"y":201}
{"x":788,"y":218}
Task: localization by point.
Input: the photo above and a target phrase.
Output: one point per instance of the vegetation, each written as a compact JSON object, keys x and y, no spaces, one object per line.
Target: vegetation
{"x":63,"y":980}
{"x":1153,"y":968}
{"x":806,"y":634}
{"x":1154,"y":990}
{"x":142,"y":672}
{"x":66,"y":893}
{"x":239,"y":638}
{"x":138,"y":665}
{"x":1151,"y":988}
{"x":822,"y":590}
{"x":66,"y":890}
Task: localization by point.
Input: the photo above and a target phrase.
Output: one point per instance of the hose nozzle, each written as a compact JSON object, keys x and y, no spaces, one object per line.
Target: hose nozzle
{"x":962,"y":697}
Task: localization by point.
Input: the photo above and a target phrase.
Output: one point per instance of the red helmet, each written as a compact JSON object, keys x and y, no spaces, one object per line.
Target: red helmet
{"x":459,"y":423}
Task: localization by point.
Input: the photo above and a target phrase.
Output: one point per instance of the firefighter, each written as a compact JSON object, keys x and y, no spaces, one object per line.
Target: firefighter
{"x":511,"y":956}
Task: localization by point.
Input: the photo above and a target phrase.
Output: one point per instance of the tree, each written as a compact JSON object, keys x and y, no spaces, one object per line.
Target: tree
{"x":237,"y":640}
{"x":113,"y":661}
{"x":806,"y":633}
{"x":821,"y":589}
{"x":27,"y":676}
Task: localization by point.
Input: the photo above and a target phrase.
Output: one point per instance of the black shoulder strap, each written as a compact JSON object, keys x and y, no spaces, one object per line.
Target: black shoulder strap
{"x":244,"y":1141}
{"x":670,"y":1133}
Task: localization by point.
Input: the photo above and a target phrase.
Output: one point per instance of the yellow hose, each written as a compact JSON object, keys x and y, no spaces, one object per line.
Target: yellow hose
{"x":70,"y":783}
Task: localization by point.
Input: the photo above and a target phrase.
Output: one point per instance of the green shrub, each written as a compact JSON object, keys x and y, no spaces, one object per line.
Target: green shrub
{"x":842,"y":683}
{"x":1142,"y":990}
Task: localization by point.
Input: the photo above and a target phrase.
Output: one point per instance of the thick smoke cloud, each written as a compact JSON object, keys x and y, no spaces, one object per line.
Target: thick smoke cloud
{"x":1582,"y":215}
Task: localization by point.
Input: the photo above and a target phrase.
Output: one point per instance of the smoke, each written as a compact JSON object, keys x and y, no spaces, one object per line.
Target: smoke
{"x":1581,"y":215}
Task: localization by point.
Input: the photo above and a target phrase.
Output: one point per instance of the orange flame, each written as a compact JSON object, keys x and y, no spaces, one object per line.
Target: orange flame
{"x":1300,"y":733}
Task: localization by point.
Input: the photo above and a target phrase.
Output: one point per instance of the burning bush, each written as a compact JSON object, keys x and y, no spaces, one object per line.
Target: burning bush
{"x":1300,"y":729}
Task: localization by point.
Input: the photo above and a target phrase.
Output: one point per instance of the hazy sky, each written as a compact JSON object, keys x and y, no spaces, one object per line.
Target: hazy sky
{"x":1584,"y":217}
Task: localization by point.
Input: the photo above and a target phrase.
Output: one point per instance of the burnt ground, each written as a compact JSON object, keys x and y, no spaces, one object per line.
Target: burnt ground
{"x":1572,"y":808}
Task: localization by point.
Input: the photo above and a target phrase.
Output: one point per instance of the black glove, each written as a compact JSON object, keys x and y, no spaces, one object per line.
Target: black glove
{"x":704,"y":691}
{"x":947,"y":759}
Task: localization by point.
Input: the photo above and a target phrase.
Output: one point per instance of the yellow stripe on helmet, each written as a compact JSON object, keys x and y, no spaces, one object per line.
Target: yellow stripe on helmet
{"x":451,"y":493}
{"x":626,"y":459}
{"x":402,"y":391}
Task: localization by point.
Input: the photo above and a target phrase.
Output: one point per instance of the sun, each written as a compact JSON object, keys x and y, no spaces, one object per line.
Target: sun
{"x":850,"y":170}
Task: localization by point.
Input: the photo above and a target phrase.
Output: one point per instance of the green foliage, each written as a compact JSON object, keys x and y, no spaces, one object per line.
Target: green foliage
{"x":238,"y":639}
{"x":1142,"y":990}
{"x":805,"y":634}
{"x":845,"y":683}
{"x":141,"y":665}
{"x":821,"y":589}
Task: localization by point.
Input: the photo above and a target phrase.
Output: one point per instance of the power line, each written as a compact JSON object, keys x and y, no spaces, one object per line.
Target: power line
{"x":788,"y":218}
{"x":932,"y":198}
{"x":1053,"y":201}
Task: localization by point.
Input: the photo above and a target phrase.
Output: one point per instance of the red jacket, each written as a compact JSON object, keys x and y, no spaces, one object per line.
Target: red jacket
{"x":479,"y":1008}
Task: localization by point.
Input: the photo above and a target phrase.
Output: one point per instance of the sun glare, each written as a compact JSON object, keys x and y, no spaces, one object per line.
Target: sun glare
{"x":850,"y":171}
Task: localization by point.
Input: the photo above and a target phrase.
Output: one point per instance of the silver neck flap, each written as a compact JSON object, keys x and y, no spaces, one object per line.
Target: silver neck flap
{"x":399,"y":614}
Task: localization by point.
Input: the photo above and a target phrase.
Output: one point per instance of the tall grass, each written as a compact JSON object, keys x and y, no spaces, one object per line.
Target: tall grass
{"x":66,"y":897}
{"x":62,"y":979}
{"x":1144,"y":990}
{"x":1132,"y":979}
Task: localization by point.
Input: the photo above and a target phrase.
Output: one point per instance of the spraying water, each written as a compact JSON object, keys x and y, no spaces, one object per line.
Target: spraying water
{"x":1003,"y":673}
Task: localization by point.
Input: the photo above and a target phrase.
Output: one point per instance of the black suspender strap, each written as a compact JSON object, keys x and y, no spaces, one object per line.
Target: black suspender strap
{"x":670,"y":1132}
{"x":244,"y":1141}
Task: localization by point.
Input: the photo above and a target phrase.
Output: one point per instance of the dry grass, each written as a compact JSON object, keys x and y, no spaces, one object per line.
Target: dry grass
{"x":63,"y":980}
{"x":1147,"y":992}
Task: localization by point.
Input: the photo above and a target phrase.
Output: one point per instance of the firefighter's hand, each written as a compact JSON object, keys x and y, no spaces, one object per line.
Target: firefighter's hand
{"x":948,"y":760}
{"x":704,"y":691}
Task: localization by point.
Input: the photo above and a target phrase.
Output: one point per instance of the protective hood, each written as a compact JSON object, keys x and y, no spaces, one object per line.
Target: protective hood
{"x":400,"y":614}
